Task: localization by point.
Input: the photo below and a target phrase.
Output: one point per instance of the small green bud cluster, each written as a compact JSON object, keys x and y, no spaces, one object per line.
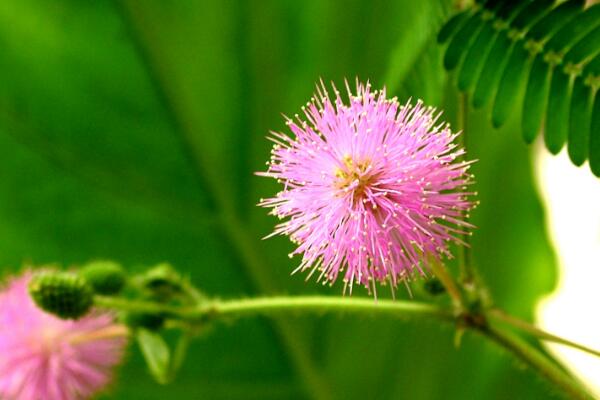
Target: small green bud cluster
{"x":70,"y":295}
{"x":161,"y":283}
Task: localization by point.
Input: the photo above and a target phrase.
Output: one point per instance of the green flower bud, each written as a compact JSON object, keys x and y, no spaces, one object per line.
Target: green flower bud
{"x":162,"y":281}
{"x":106,"y":277}
{"x":63,"y":294}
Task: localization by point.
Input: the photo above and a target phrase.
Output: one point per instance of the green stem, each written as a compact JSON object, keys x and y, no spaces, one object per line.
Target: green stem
{"x":278,"y":306}
{"x":321,"y":304}
{"x":285,"y":306}
{"x":538,"y":361}
{"x":447,"y":280}
{"x":501,"y":316}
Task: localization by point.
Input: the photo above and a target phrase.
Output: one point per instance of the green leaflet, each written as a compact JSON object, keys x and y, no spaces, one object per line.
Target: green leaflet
{"x":462,"y":38}
{"x":531,"y":13}
{"x":593,"y":68}
{"x":592,"y":71}
{"x":595,"y":137}
{"x":452,"y":26}
{"x":534,"y":103}
{"x":557,"y":117}
{"x":492,"y":68}
{"x":580,"y":117}
{"x":575,"y":29}
{"x":552,"y":21}
{"x":496,"y":60}
{"x":472,"y":64}
{"x":511,"y":9}
{"x":510,"y":90}
{"x":587,"y":47}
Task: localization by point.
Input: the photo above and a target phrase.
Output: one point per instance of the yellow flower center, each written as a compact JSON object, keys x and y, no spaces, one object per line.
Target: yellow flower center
{"x":353,"y":176}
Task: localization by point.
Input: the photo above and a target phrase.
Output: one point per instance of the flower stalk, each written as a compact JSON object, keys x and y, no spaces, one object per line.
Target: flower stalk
{"x":447,"y":280}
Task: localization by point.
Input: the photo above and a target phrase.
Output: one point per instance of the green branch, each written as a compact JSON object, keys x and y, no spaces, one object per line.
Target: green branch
{"x":278,"y":306}
{"x":501,"y":316}
{"x":538,"y":362}
{"x":322,"y":304}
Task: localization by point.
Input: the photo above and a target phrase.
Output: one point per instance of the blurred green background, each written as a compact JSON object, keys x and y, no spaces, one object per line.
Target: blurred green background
{"x":105,"y":109}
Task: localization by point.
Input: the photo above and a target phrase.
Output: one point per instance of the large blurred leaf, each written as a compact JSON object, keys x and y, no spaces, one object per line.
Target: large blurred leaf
{"x":94,"y":99}
{"x":413,"y":42}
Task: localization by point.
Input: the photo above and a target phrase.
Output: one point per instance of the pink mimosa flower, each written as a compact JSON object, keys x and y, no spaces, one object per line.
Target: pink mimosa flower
{"x":45,"y":358}
{"x":370,"y":188}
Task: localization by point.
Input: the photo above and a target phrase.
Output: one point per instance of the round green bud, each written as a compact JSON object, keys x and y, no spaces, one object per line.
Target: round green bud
{"x":106,"y":277}
{"x":63,"y":294}
{"x":162,"y":281}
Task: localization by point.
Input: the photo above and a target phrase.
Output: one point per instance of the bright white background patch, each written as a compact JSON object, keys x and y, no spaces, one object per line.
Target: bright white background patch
{"x":571,"y":197}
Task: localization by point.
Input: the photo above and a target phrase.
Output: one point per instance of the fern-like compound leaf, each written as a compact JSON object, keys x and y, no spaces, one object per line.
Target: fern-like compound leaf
{"x":540,"y":56}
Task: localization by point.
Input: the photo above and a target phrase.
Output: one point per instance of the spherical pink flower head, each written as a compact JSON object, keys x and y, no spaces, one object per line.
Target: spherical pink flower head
{"x":46,"y":358}
{"x":371,"y":188}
